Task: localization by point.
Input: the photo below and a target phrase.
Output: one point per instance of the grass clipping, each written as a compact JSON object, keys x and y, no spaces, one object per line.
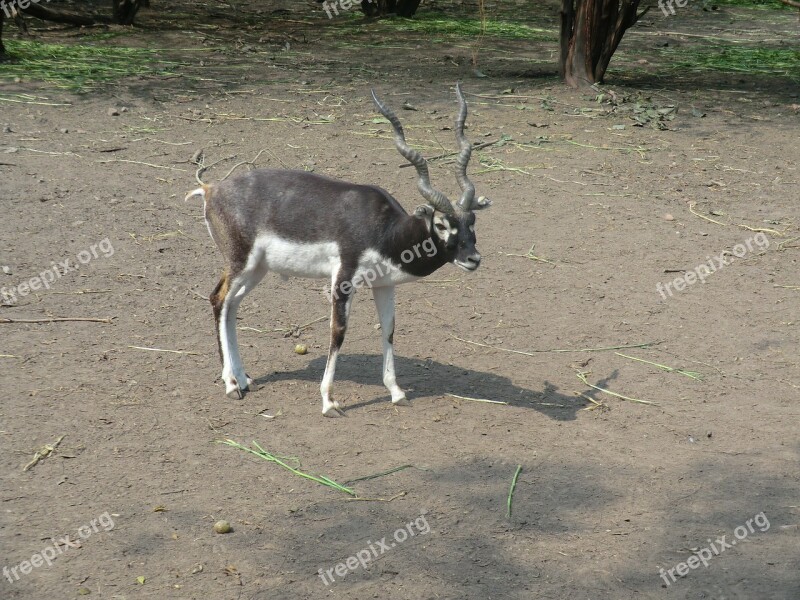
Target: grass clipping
{"x":80,"y":67}
{"x":280,"y":460}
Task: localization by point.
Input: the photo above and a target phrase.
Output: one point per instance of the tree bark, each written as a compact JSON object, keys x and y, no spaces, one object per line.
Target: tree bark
{"x":3,"y":55}
{"x":125,"y":10}
{"x":591,"y":30}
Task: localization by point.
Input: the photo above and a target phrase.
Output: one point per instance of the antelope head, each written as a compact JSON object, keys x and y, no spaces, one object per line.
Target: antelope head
{"x":452,"y":225}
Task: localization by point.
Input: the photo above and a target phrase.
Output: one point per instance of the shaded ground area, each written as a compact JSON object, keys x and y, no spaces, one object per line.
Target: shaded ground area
{"x":600,"y":197}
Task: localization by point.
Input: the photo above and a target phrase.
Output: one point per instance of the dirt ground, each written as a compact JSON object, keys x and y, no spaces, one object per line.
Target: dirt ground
{"x":591,"y":213}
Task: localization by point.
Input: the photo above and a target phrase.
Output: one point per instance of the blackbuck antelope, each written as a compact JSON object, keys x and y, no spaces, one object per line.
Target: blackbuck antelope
{"x":300,"y":224}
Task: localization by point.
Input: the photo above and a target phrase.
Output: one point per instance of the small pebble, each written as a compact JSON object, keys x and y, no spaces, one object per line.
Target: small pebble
{"x":113,"y":112}
{"x":301,"y":349}
{"x":6,"y":270}
{"x":668,"y":217}
{"x":222,"y":527}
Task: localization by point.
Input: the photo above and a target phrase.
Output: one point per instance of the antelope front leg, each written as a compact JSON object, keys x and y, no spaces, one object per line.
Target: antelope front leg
{"x":225,"y":300}
{"x":384,"y":301}
{"x":341,"y":300}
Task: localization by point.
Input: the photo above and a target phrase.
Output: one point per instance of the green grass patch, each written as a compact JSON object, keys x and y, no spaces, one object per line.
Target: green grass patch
{"x":79,"y":67}
{"x":736,"y":59}
{"x":458,"y":27}
{"x":761,"y":4}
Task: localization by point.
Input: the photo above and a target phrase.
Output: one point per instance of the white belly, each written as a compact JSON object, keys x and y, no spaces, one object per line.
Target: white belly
{"x":296,"y":259}
{"x":321,"y":260}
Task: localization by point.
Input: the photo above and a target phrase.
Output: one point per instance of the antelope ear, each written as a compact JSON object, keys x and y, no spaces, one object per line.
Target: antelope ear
{"x":481,"y":203}
{"x":424,"y":210}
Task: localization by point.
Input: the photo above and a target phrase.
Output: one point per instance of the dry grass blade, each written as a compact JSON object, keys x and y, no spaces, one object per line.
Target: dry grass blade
{"x":261,"y":453}
{"x":57,"y":320}
{"x":164,"y":350}
{"x":582,"y":377}
{"x":511,"y":490}
{"x":477,"y":399}
{"x":690,"y":374}
{"x":43,"y":453}
{"x":595,"y":403}
{"x":534,"y":352}
{"x":382,"y":473}
{"x":697,"y":214}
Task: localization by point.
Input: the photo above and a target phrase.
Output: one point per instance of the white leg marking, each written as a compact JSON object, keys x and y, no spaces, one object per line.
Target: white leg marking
{"x":329,"y":408}
{"x":384,"y":301}
{"x":228,"y":378}
{"x":233,"y":374}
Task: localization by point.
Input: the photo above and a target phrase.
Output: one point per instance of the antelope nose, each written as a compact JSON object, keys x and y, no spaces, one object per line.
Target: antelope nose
{"x":475,"y":259}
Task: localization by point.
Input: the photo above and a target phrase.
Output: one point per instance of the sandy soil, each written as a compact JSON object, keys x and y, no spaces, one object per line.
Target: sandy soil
{"x":607,"y":495}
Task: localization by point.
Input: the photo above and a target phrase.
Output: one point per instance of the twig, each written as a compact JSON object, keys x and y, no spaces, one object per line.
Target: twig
{"x":203,"y":168}
{"x":476,"y":399}
{"x":81,"y":292}
{"x":31,"y":102}
{"x":163,"y":350}
{"x":531,"y":255}
{"x":582,"y":377}
{"x":43,"y":453}
{"x":244,"y":162}
{"x":534,"y":352}
{"x":511,"y":490}
{"x":382,"y":473}
{"x":138,"y":162}
{"x":57,"y":320}
{"x":360,"y":499}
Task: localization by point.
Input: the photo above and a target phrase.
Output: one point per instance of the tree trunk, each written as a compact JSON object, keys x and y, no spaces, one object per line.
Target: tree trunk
{"x":591,"y":30}
{"x":3,"y":55}
{"x":125,"y":10}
